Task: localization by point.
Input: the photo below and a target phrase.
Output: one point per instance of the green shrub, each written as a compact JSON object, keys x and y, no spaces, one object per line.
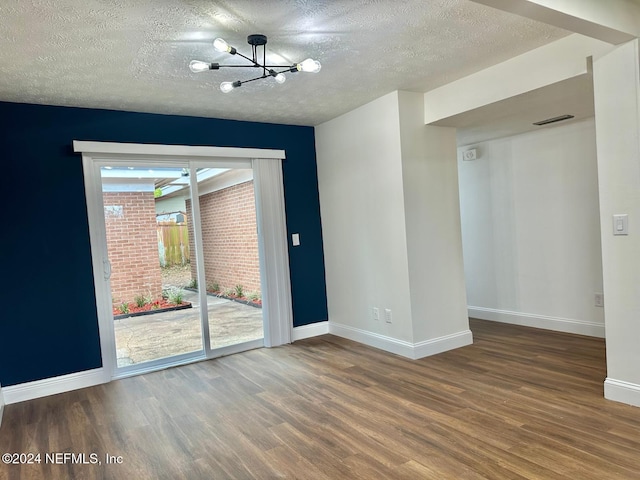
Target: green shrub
{"x":253,"y":296}
{"x":141,"y":300}
{"x":239,"y":291}
{"x":124,"y":308}
{"x":176,"y":296}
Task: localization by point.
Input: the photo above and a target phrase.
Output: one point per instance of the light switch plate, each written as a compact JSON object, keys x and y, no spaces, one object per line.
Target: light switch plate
{"x":295,"y":239}
{"x":621,"y":224}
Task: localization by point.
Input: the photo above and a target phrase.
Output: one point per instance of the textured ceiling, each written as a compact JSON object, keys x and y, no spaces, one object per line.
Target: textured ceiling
{"x":134,"y":54}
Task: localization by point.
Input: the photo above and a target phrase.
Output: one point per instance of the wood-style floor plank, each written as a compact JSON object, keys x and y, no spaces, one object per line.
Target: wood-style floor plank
{"x":519,"y":403}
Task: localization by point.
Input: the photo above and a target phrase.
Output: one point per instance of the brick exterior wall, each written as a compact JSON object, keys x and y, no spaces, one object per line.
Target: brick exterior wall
{"x":230,"y":238}
{"x":132,"y":243}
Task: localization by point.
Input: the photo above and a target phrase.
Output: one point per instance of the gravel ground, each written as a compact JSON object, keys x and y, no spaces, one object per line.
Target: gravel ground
{"x":177,"y":276}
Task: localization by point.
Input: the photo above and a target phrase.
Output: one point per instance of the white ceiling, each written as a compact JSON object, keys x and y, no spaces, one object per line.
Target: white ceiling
{"x":134,"y":54}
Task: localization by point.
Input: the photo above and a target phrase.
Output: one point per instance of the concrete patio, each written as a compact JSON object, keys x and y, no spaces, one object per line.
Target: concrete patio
{"x":160,"y":335}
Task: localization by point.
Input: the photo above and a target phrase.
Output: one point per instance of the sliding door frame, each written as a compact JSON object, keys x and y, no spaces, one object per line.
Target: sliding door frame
{"x":272,"y":237}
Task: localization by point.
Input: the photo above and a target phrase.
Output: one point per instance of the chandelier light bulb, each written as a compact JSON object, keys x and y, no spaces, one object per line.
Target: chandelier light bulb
{"x":220,"y":45}
{"x":226,"y":87}
{"x":279,"y":77}
{"x":197,"y":66}
{"x":309,"y":65}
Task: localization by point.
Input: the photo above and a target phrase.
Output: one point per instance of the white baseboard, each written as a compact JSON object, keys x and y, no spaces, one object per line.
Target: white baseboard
{"x":52,"y":386}
{"x":311,"y":330}
{"x":567,"y":325}
{"x":623,"y":392}
{"x":401,"y":347}
{"x":442,"y":344}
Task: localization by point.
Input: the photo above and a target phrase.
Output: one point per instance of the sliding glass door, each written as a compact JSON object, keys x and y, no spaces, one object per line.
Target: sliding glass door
{"x":178,"y":281}
{"x":154,"y":316}
{"x":183,"y":262}
{"x":230,"y":253}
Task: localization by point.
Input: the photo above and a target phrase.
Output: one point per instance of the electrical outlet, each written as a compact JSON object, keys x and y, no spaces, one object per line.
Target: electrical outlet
{"x":599,"y":299}
{"x":387,"y":315}
{"x":376,"y":314}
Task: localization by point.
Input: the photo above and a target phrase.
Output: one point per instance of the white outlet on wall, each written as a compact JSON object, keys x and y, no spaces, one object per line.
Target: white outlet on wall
{"x":387,"y":315}
{"x":599,"y":299}
{"x":376,"y":314}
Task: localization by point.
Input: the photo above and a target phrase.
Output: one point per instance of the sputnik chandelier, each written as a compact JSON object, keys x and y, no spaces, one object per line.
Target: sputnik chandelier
{"x":268,"y":71}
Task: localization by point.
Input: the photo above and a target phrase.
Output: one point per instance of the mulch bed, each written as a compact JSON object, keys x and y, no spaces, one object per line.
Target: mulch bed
{"x":244,"y":300}
{"x":157,"y":306}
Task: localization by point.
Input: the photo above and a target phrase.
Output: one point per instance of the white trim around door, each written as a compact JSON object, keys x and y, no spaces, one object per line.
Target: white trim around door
{"x":270,"y":213}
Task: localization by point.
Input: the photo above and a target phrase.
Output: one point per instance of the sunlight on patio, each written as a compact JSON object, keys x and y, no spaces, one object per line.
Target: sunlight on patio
{"x":163,"y":334}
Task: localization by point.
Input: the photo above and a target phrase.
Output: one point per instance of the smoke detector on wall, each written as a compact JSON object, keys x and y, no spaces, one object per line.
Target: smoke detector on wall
{"x":469,"y":155}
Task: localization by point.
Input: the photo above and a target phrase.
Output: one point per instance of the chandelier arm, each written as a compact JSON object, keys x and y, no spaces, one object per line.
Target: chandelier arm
{"x":247,"y":58}
{"x":288,"y":67}
{"x":238,"y":66}
{"x":264,"y":60}
{"x":254,"y":79}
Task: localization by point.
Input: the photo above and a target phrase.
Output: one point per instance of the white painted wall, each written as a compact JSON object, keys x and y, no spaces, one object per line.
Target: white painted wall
{"x":617,"y":102}
{"x":531,"y":229}
{"x":363,"y":223}
{"x":391,"y":229}
{"x":432,"y":213}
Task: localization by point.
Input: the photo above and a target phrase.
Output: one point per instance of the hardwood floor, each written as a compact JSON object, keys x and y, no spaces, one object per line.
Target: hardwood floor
{"x":518,"y":403}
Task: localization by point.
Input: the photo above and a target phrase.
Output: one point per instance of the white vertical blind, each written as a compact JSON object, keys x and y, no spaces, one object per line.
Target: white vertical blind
{"x":274,"y":256}
{"x":1,"y":404}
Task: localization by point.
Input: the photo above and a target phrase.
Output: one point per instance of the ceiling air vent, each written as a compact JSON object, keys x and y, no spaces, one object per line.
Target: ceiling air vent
{"x":553,"y":120}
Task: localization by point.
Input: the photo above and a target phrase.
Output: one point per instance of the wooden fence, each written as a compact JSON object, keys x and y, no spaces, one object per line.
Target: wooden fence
{"x":173,"y":243}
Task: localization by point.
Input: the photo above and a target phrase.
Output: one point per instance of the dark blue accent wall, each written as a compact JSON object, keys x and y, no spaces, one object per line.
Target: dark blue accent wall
{"x":48,"y":320}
